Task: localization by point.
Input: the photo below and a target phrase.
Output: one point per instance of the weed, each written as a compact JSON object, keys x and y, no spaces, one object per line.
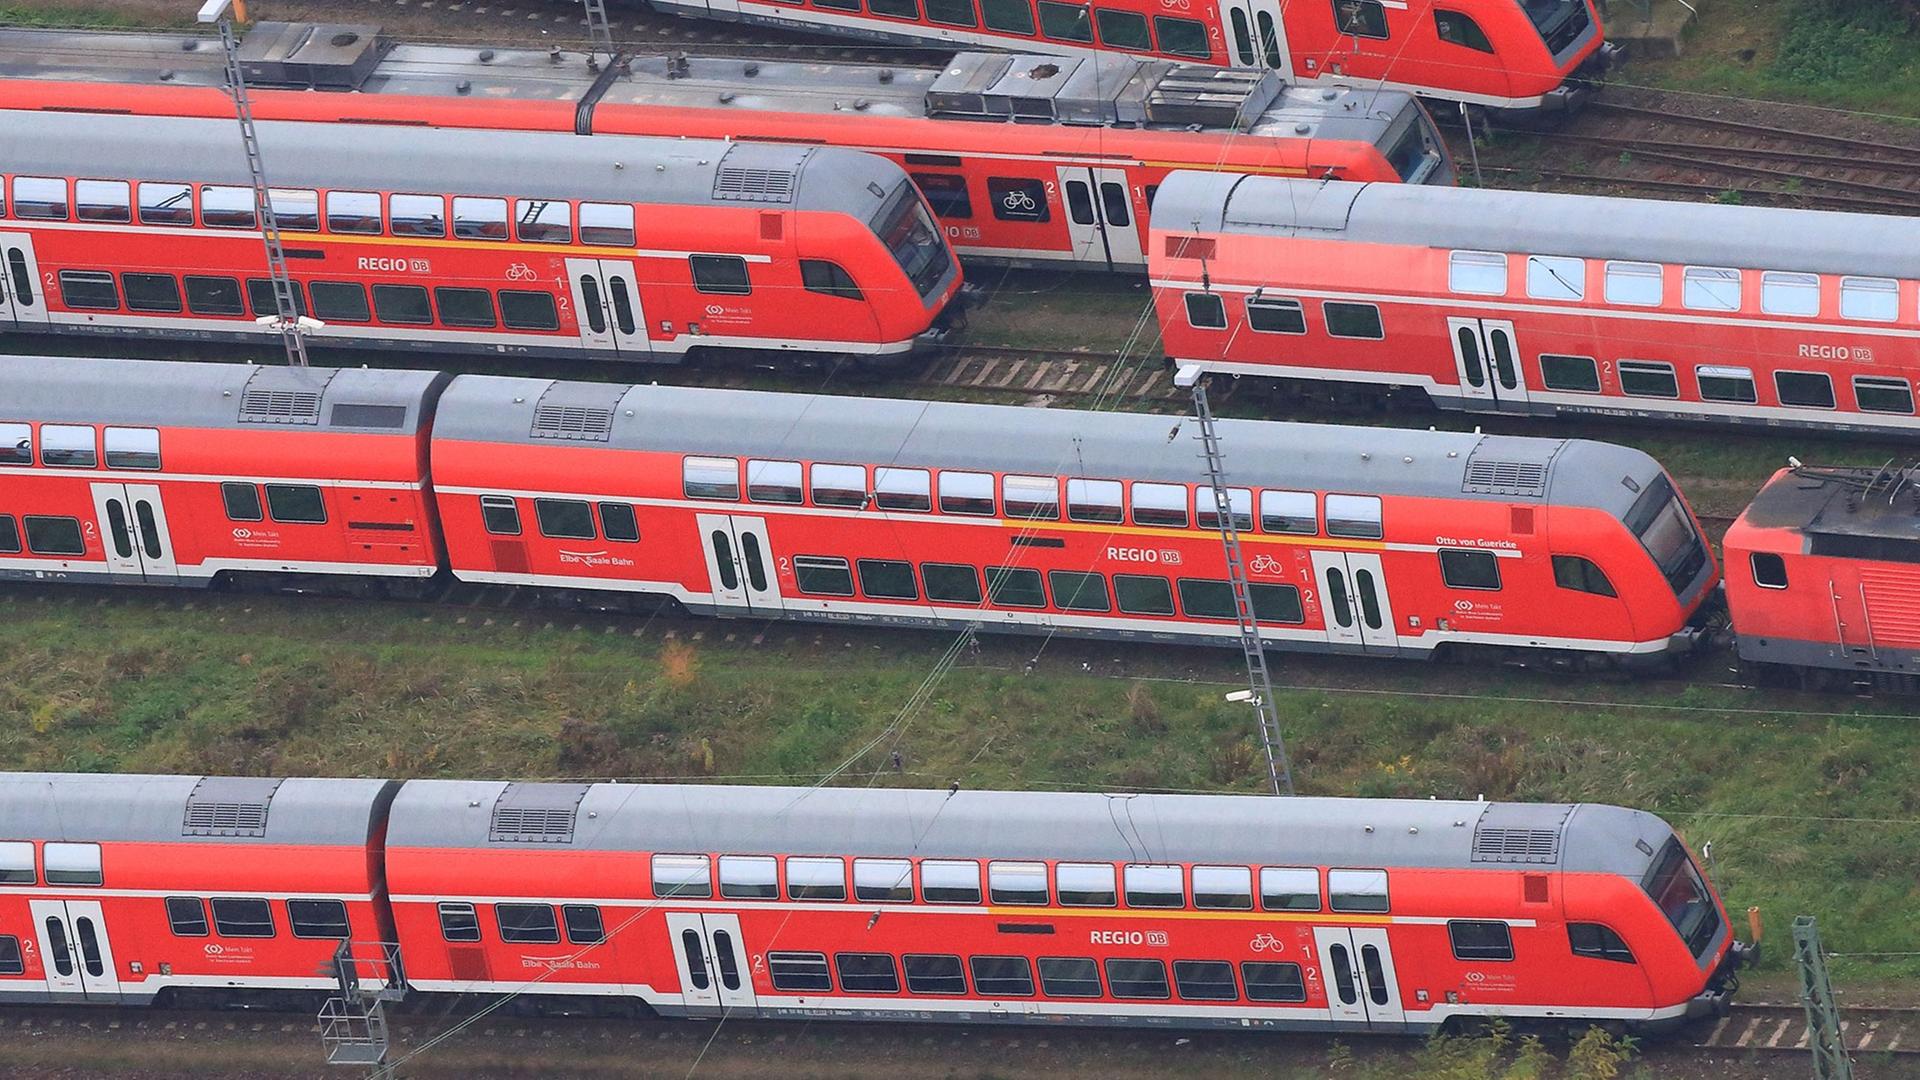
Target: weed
{"x":1729,"y":197}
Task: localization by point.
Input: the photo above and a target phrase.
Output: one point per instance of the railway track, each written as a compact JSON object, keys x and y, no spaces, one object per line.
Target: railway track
{"x":1763,"y":1027}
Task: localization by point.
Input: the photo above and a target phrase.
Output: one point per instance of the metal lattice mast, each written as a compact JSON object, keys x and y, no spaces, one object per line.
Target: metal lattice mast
{"x":598,"y":31}
{"x":1259,"y":683}
{"x":288,"y":321}
{"x":1824,"y":1037}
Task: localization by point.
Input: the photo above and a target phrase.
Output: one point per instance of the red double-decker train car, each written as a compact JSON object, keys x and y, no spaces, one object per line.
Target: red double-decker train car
{"x":1372,"y":916}
{"x":1026,"y":159}
{"x":521,"y":243}
{"x":1538,"y":303}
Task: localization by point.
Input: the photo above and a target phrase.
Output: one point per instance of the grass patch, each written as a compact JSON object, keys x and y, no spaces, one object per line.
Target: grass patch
{"x":62,"y":15}
{"x":1853,"y":54}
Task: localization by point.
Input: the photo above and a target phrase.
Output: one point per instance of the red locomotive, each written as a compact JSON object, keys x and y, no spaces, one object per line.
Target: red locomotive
{"x":1026,"y":160}
{"x":522,"y":243}
{"x":1376,"y":541}
{"x":1536,"y":303}
{"x":1376,"y":915}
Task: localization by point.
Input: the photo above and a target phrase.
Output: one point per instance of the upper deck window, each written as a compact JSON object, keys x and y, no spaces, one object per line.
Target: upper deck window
{"x":544,"y":221}
{"x":72,"y":864}
{"x":1065,"y":22}
{"x":1123,"y":29}
{"x":1008,"y":16}
{"x":608,"y":224}
{"x":895,"y":9}
{"x":1789,"y":294}
{"x":295,"y":209}
{"x":418,"y":215}
{"x":1556,"y":277}
{"x":16,"y":862}
{"x":1482,"y":272}
{"x":952,"y":12}
{"x":1184,"y":37}
{"x":166,"y":204}
{"x":103,"y":200}
{"x":1633,"y":283}
{"x":16,"y":444}
{"x":1357,"y":890}
{"x":1875,"y":299}
{"x":227,"y":208}
{"x":1708,"y":288}
{"x":479,"y":219}
{"x":41,"y":198}
{"x":355,"y":212}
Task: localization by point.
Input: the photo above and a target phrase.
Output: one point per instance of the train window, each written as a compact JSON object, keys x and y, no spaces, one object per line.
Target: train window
{"x":354,"y":212}
{"x":1357,"y":890}
{"x":838,"y":485}
{"x":1001,"y":976}
{"x":459,"y":922}
{"x":1223,"y":887}
{"x":828,"y":279}
{"x":867,"y":973}
{"x":1163,"y":505}
{"x":951,"y":583}
{"x":527,"y":924}
{"x":1578,"y":373}
{"x":214,"y":296}
{"x":132,"y":447}
{"x":1648,"y":378}
{"x":722,"y":274}
{"x":1182,"y":37}
{"x":16,"y":856}
{"x":818,"y":575}
{"x":1086,"y":884}
{"x":1009,"y":16}
{"x":458,"y":307}
{"x":1074,"y":591}
{"x":1018,"y":200}
{"x":1458,"y":29}
{"x":9,"y":545}
{"x":1154,"y":886}
{"x":816,"y":879}
{"x":296,"y":503}
{"x":799,"y":971}
{"x":1706,"y":288}
{"x":1769,"y":570}
{"x":1242,"y":37}
{"x":92,"y":289}
{"x":606,"y":224}
{"x":682,"y":875}
{"x":1143,"y":595}
{"x":1469,"y":569}
{"x":1014,"y":587}
{"x":934,"y":974}
{"x":943,"y":882}
{"x":151,"y":292}
{"x":1883,"y":395}
{"x":11,"y":962}
{"x":1277,"y":603}
{"x":166,"y":204}
{"x":903,"y":489}
{"x":1065,"y":22}
{"x":242,"y":501}
{"x":1276,"y":316}
{"x":522,"y":310}
{"x":895,"y":9}
{"x":418,"y":215}
{"x":318,"y":919}
{"x":952,"y":12}
{"x":227,"y":208}
{"x":187,"y":916}
{"x":498,"y":513}
{"x":242,"y":917}
{"x":584,"y":926}
{"x":1205,"y":980}
{"x":1017,"y":882}
{"x":1094,"y":501}
{"x":946,"y":193}
{"x":1581,"y":575}
{"x":888,"y":579}
{"x":749,"y":877}
{"x":341,"y":301}
{"x":1808,"y":389}
{"x":1480,"y":940}
{"x":406,"y":305}
{"x":53,"y":535}
{"x":1876,"y":299}
{"x":1360,"y":18}
{"x":541,"y":221}
{"x":883,"y":880}
{"x":260,"y":297}
{"x":1030,"y":497}
{"x":1355,"y":516}
{"x":1206,"y":311}
{"x":1784,"y":293}
{"x":567,"y":519}
{"x":1272,"y":982}
{"x":1121,"y":29}
{"x":1202,"y":599}
{"x":1289,"y":512}
{"x":618,"y":523}
{"x":1597,"y":941}
{"x":1347,"y":320}
{"x":1556,"y":277}
{"x":1069,"y":977}
{"x":710,"y":478}
{"x":1289,"y":888}
{"x":41,"y":198}
{"x":773,"y":481}
{"x":103,"y":200}
{"x":838,"y":5}
{"x":966,"y":493}
{"x":1206,"y":508}
{"x":1726,"y":383}
{"x":295,"y":209}
{"x":1137,"y":979}
{"x":1633,"y":283}
{"x":67,"y":446}
{"x":1480,"y":272}
{"x":479,"y":219}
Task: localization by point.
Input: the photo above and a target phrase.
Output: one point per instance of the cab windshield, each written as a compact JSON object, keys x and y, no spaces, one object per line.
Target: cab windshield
{"x":1415,"y":158}
{"x":1660,"y":520}
{"x":906,"y":227}
{"x":1559,"y":21}
{"x":1681,"y":894}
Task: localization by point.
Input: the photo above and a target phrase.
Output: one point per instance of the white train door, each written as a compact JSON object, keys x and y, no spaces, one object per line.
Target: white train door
{"x":606,"y":296}
{"x":1357,"y":969}
{"x":1353,"y":599}
{"x":72,"y":935}
{"x":1487,"y":360}
{"x":21,"y":300}
{"x":1100,"y":217}
{"x":740,"y":563}
{"x":133,"y":531}
{"x":715,"y":977}
{"x":1256,"y":36}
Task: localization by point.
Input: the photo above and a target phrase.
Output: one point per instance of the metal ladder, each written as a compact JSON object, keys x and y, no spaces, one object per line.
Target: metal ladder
{"x":1259,"y":682}
{"x":598,"y":31}
{"x":289,"y":314}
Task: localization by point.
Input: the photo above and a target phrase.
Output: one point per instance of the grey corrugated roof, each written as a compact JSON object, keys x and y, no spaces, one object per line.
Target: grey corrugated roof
{"x":434,"y":160}
{"x":105,"y":807}
{"x":1017,"y":825}
{"x":1546,"y":223}
{"x":1014,"y":439}
{"x":72,"y":389}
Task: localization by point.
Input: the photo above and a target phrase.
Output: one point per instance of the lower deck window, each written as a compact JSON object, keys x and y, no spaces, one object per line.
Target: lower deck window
{"x":9,"y":545}
{"x":236,"y":917}
{"x":1205,"y":980}
{"x":1273,"y":982}
{"x":318,"y":918}
{"x":1576,"y":373}
{"x":935,"y":974}
{"x":1348,"y":320}
{"x":951,"y":582}
{"x":1206,"y":311}
{"x":1143,"y":595}
{"x":1469,"y":569}
{"x":527,"y":924}
{"x":10,"y":963}
{"x":1015,"y":588}
{"x":1079,"y":592}
{"x":54,"y":535}
{"x":458,"y":922}
{"x":887,"y":579}
{"x":1883,"y":395}
{"x":151,"y":292}
{"x":798,"y":972}
{"x":1480,"y":940}
{"x":1648,"y":378}
{"x":340,"y":301}
{"x":215,"y":296}
{"x":584,"y":926}
{"x":1137,"y":979}
{"x":818,"y":576}
{"x":1001,"y":976}
{"x":1732,"y":384}
{"x":1069,"y":977}
{"x":296,"y":504}
{"x":867,"y":973}
{"x":1807,"y":389}
{"x":89,"y":289}
{"x":187,"y":916}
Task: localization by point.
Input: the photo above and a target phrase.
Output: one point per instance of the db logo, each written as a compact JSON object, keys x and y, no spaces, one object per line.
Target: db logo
{"x":1157,"y":937}
{"x":241,"y":534}
{"x":716,"y":309}
{"x":214,"y":948}
{"x":1463,"y":605}
{"x":1476,"y":977}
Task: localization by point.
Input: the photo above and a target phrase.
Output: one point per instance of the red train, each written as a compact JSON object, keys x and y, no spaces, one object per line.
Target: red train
{"x":1381,"y":915}
{"x":1536,"y":303}
{"x":1522,"y":58}
{"x":1376,"y":541}
{"x":521,"y":243}
{"x":1026,"y":160}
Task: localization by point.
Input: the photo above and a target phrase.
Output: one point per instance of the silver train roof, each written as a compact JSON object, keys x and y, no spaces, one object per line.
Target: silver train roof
{"x":1546,"y":223}
{"x":184,"y":809}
